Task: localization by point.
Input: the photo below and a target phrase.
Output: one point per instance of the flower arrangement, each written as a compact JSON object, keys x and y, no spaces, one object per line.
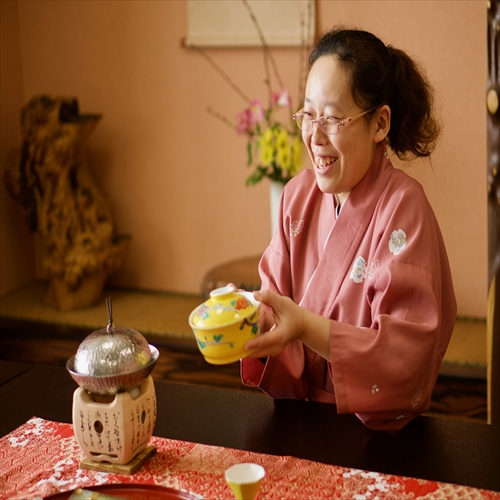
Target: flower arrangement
{"x":274,"y":147}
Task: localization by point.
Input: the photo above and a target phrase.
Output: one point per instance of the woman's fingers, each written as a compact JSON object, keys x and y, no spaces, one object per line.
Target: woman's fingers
{"x":267,"y":297}
{"x":286,"y":327}
{"x":269,"y":344}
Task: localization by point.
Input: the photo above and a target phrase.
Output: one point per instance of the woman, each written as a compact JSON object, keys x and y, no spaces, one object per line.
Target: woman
{"x":356,"y":282}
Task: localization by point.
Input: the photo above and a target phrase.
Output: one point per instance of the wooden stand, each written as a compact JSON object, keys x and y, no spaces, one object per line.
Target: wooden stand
{"x":137,"y":462}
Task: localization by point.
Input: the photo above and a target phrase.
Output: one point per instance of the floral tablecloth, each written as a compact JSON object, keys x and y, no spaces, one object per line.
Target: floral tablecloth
{"x":42,"y":457}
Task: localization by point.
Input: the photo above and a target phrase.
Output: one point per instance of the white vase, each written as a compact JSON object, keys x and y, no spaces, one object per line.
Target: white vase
{"x":276,"y":189}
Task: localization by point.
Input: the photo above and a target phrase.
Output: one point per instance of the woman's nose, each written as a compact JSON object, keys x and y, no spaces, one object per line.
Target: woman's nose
{"x":317,"y":134}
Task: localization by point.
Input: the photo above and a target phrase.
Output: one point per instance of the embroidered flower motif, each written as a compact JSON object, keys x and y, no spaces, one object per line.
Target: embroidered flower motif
{"x":372,"y":272}
{"x":418,"y":395}
{"x":397,"y":241}
{"x":296,"y":227}
{"x":358,"y":272}
{"x":375,"y":389}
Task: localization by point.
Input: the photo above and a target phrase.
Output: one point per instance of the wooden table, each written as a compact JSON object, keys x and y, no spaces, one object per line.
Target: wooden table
{"x":10,"y":370}
{"x":430,"y":448}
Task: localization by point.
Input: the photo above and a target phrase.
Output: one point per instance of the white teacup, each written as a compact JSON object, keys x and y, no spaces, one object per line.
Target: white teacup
{"x":245,"y":479}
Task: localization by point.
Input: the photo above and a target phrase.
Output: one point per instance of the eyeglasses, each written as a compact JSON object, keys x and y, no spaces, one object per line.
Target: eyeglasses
{"x":328,"y":124}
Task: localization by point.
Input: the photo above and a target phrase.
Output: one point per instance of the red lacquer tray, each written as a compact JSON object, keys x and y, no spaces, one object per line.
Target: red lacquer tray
{"x":131,"y":492}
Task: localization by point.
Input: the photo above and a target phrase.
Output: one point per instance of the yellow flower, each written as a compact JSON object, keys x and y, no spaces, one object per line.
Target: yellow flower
{"x":281,"y":139}
{"x":266,"y":144}
{"x":283,"y":150}
{"x":296,"y":155}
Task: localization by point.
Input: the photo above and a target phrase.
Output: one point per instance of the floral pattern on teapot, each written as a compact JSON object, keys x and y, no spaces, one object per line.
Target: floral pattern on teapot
{"x":218,"y":339}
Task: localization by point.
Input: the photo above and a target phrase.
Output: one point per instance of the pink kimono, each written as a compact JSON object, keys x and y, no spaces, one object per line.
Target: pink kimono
{"x":380,"y":272}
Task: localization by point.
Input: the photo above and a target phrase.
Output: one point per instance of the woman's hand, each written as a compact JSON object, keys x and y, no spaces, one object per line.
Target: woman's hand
{"x":266,"y":318}
{"x":291,"y":322}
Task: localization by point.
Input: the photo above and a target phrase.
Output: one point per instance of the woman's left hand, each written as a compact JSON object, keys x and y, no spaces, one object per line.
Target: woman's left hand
{"x":292,"y":322}
{"x":288,"y":326}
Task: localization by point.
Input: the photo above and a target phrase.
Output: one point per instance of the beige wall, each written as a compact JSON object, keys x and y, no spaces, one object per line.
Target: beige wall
{"x":17,"y":263}
{"x":176,"y":176}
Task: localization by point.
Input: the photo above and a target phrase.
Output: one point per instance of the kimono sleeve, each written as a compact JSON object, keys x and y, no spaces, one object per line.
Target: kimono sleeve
{"x":386,"y":373}
{"x":282,"y":376}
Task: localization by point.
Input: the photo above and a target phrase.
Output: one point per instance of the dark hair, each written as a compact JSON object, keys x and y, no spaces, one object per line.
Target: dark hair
{"x":380,"y":75}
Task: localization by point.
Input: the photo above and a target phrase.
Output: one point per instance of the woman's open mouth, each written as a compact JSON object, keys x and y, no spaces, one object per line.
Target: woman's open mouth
{"x":323,"y":163}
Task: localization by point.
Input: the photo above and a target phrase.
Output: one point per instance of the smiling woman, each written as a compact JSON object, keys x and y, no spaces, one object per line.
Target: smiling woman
{"x":358,"y":311}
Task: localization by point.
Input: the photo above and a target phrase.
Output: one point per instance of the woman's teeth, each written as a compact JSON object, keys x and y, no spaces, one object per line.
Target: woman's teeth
{"x":323,"y":162}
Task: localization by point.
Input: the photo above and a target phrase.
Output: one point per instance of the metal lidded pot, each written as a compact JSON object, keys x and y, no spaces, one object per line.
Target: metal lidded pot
{"x":113,"y":359}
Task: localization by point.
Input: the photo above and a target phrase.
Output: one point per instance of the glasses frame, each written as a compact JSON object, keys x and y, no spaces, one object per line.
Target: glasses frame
{"x":322,"y":120}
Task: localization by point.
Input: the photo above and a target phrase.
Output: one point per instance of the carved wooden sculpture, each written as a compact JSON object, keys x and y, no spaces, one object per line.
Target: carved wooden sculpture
{"x":59,"y":199}
{"x":493,"y":124}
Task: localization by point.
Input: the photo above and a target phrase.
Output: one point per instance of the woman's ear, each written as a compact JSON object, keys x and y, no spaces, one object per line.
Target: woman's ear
{"x":382,"y":122}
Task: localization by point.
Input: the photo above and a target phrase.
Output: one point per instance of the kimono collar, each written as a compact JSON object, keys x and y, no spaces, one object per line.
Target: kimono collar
{"x":343,"y":242}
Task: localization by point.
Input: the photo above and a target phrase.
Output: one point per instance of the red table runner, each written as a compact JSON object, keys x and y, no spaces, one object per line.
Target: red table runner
{"x":41,"y":458}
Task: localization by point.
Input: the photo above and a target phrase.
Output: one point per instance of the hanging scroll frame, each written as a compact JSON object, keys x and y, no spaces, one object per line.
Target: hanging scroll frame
{"x":219,"y":23}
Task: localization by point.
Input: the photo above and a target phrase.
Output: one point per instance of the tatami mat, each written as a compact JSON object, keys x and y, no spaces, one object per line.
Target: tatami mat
{"x":466,"y":354}
{"x":468,"y":342}
{"x":156,"y":313}
{"x":166,"y":314}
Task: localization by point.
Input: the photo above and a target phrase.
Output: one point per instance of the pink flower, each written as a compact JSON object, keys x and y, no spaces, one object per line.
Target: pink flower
{"x":249,"y":117}
{"x":281,"y":98}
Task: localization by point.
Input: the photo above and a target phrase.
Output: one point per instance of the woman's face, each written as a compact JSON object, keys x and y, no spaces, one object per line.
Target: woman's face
{"x":340,"y":160}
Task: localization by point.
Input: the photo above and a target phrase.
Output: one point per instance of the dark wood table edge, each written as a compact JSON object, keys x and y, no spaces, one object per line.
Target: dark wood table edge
{"x":12,"y":369}
{"x":464,"y":453}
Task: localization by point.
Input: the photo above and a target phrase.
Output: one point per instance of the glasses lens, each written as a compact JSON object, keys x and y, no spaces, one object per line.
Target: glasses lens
{"x":298,"y":120}
{"x":307,"y":122}
{"x":330,"y":125}
{"x":304,"y":122}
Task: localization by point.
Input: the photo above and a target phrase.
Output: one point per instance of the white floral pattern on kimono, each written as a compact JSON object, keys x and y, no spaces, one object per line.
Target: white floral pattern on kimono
{"x":397,"y":241}
{"x":373,"y":271}
{"x":296,"y":227}
{"x":358,"y":272}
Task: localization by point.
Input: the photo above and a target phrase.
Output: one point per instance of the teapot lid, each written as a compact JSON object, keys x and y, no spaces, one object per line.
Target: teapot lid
{"x":113,"y":350}
{"x":224,"y":307}
{"x":105,"y":353}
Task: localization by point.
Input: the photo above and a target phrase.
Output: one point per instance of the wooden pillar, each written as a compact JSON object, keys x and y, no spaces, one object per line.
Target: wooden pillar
{"x":493,"y":186}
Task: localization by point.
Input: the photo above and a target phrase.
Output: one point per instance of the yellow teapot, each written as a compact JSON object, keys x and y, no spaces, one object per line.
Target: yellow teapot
{"x":224,"y":323}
